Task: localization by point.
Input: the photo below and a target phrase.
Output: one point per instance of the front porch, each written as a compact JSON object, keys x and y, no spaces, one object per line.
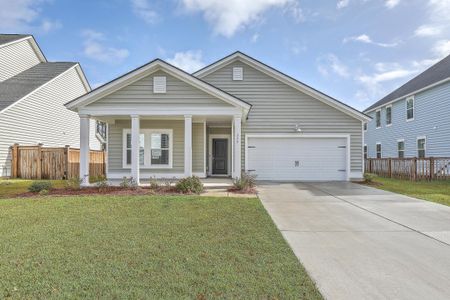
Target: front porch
{"x":143,"y":147}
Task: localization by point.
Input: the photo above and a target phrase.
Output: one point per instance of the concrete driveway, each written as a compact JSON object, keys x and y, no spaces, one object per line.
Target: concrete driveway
{"x":358,"y":242}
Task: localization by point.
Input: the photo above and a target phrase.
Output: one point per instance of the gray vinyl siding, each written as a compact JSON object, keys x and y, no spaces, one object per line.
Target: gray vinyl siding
{"x":16,"y":58}
{"x":115,"y":146}
{"x":277,"y":107}
{"x":140,"y":95}
{"x":42,"y":117}
{"x":431,"y":119}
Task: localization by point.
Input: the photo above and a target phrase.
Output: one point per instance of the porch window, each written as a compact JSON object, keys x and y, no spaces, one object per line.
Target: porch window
{"x":155,"y":148}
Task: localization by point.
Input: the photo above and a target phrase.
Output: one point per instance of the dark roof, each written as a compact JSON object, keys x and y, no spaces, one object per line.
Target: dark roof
{"x":434,"y":74}
{"x":7,"y":38}
{"x":16,"y":87}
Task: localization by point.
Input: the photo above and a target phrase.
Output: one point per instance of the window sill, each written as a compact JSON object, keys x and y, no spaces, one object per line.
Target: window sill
{"x":409,"y":120}
{"x":388,"y":125}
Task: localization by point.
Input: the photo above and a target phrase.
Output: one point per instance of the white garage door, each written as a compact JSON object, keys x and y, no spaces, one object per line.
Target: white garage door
{"x":294,"y":158}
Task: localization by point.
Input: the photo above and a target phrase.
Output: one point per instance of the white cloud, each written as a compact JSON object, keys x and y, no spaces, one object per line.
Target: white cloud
{"x":331,"y":63}
{"x":95,"y":48}
{"x":188,"y":61}
{"x":391,"y":3}
{"x":439,"y":11}
{"x":255,"y":38}
{"x":342,"y":3}
{"x":364,"y":38}
{"x":142,"y":9}
{"x":428,"y":30}
{"x":228,"y":17}
{"x":24,"y":15}
{"x":442,"y":48}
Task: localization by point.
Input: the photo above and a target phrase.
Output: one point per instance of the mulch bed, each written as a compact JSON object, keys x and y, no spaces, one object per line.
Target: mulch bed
{"x":247,"y":191}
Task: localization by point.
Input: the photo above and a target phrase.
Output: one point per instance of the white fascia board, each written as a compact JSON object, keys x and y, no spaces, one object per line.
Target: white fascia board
{"x":285,"y":79}
{"x":408,"y":95}
{"x":160,"y":111}
{"x":146,"y":71}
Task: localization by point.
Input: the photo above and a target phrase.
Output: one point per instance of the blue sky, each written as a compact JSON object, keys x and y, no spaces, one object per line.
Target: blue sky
{"x":354,"y":50}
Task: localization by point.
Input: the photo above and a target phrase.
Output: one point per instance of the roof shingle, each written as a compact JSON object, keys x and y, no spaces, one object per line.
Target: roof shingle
{"x":7,"y":38}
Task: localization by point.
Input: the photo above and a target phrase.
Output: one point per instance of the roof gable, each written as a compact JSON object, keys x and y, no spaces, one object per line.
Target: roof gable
{"x":8,"y":39}
{"x":146,"y":70}
{"x":436,"y":74}
{"x":239,"y":56}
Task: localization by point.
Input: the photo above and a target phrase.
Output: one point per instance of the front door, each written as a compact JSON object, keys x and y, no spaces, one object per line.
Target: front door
{"x":220,"y":156}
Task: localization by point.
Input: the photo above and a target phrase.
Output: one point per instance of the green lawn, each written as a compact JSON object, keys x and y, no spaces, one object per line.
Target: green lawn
{"x":11,"y":187}
{"x":435,"y":191}
{"x":145,"y":247}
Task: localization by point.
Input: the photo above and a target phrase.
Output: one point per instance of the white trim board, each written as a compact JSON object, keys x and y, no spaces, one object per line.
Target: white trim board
{"x":229,"y":162}
{"x":146,"y":176}
{"x":283,"y":78}
{"x":301,"y":135}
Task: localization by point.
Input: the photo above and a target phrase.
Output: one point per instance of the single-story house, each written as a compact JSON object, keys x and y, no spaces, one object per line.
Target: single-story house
{"x":234,"y":115}
{"x":33,"y":92}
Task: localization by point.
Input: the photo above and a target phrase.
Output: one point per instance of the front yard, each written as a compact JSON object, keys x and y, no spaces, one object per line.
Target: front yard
{"x":435,"y":191}
{"x":145,"y":247}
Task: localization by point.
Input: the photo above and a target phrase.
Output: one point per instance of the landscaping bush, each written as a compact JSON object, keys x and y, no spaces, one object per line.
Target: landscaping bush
{"x":191,"y":185}
{"x":128,"y":183}
{"x":73,"y":183}
{"x":244,"y":184}
{"x":102,"y":183}
{"x":154,"y":184}
{"x":37,"y":186}
{"x":369,"y":177}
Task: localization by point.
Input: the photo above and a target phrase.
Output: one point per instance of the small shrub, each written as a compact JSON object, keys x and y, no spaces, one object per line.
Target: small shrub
{"x":244,"y":184}
{"x":168,"y":182}
{"x":73,"y":183}
{"x":37,"y":186}
{"x":128,"y":183}
{"x":369,"y":177}
{"x":102,"y":183}
{"x":43,"y":193}
{"x":191,"y":185}
{"x":154,"y":184}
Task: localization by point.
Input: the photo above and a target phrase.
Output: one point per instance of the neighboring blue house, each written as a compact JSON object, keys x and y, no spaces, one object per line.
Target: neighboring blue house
{"x":413,"y":120}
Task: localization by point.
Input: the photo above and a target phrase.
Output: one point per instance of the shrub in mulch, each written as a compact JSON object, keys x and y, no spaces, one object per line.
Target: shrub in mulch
{"x":244,"y":185}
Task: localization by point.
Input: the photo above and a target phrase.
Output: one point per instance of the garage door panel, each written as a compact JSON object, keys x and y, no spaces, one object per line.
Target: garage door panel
{"x":303,"y":159}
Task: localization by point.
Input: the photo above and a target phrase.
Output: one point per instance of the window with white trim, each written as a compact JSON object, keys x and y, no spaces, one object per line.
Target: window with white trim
{"x":238,"y":73}
{"x":378,"y":118}
{"x":421,"y":147}
{"x":388,"y":115}
{"x":365,"y":151}
{"x":410,"y":108}
{"x":155,"y":151}
{"x":401,"y":148}
{"x":365,"y":126}
{"x":378,"y":148}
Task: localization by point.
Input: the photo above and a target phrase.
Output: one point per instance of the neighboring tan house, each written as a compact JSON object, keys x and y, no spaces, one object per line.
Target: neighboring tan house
{"x":32,"y":96}
{"x":235,"y":115}
{"x":413,"y":120}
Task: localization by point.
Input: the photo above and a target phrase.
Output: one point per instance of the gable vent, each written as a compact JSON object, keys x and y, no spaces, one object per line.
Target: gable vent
{"x":159,"y":84}
{"x":238,"y":73}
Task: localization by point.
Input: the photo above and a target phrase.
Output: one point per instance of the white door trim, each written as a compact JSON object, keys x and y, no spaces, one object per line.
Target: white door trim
{"x":300,"y":135}
{"x":219,"y":136}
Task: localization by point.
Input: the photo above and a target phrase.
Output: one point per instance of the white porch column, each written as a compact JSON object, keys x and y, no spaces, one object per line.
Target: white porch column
{"x":135,"y":127}
{"x":84,"y":150}
{"x":187,"y":145}
{"x":237,"y":146}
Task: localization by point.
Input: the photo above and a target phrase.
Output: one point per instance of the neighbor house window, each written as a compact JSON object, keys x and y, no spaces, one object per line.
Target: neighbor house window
{"x":365,"y":126}
{"x":410,"y":108}
{"x":378,"y":150}
{"x":155,"y":149}
{"x":401,"y":148}
{"x":378,"y":118}
{"x":100,"y":129}
{"x":365,"y":151}
{"x":421,"y":147}
{"x":388,"y":115}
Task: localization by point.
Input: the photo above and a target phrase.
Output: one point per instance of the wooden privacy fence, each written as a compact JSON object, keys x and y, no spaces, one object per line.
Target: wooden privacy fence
{"x":38,"y":162}
{"x":430,"y":168}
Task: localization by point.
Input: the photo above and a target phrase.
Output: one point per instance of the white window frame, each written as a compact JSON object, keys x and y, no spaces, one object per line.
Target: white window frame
{"x":386,"y":110}
{"x":376,"y":150}
{"x":376,"y":123}
{"x":413,"y":108}
{"x":147,"y":148}
{"x":424,"y":146}
{"x":398,"y":141}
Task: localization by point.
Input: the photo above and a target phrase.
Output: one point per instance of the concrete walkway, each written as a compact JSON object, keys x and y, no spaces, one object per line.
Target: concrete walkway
{"x":358,"y":242}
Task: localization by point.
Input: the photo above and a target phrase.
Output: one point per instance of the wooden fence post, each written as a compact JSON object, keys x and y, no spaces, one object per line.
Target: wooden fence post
{"x":39,"y":162}
{"x":431,"y":168}
{"x":66,"y":161}
{"x":390,"y":167}
{"x":414,"y":171}
{"x":14,"y":160}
